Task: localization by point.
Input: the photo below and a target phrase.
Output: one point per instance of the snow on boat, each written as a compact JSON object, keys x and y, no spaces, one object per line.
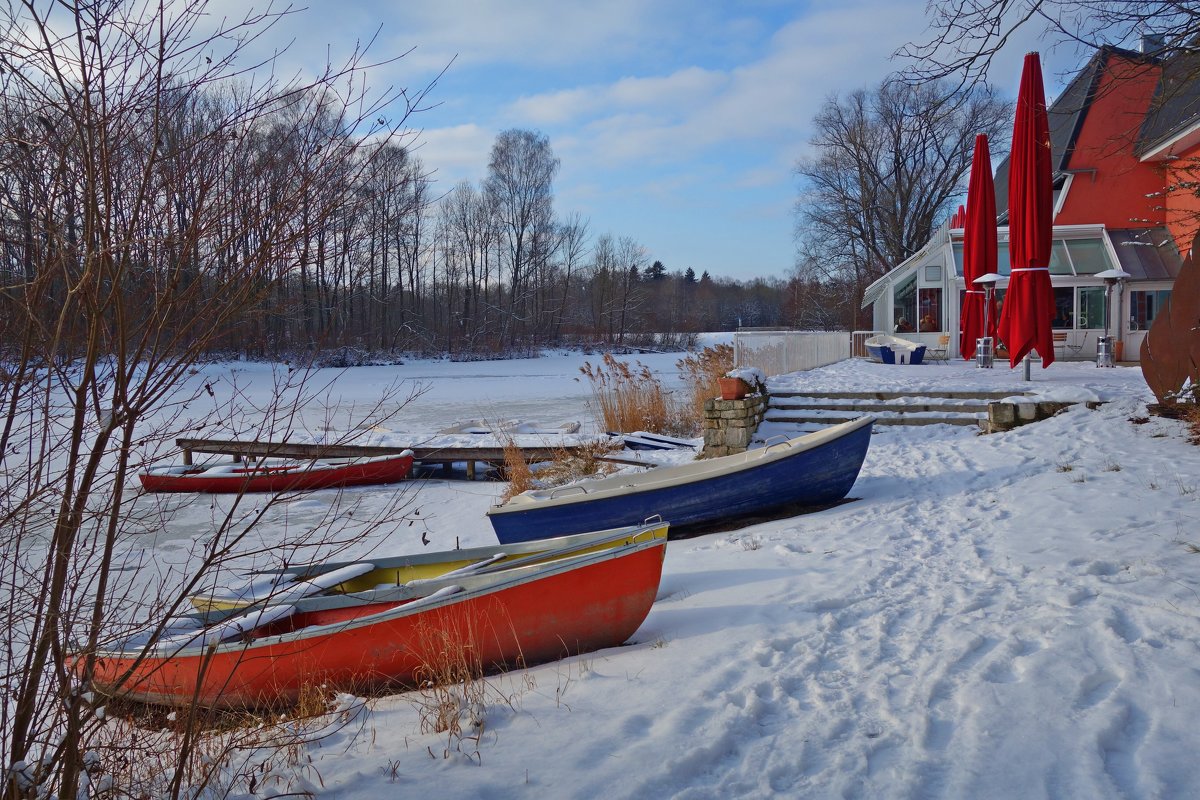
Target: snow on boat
{"x":643,"y":440}
{"x":290,"y":584}
{"x":812,"y":470}
{"x":277,"y":475}
{"x":388,"y":638}
{"x":512,"y":427}
{"x":894,"y":350}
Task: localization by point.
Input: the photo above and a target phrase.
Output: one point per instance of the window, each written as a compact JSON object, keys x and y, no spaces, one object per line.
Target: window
{"x":1144,"y":306}
{"x":933,"y":273}
{"x":1079,"y":309}
{"x":1002,"y":265}
{"x":930,"y":307}
{"x":1060,"y":262}
{"x":1067,"y":257}
{"x":1064,"y":308}
{"x":1088,"y":256}
{"x":1091,"y":308}
{"x":904,"y":306}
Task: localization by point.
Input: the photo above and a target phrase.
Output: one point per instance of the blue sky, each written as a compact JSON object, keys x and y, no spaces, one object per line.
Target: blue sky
{"x":677,"y":123}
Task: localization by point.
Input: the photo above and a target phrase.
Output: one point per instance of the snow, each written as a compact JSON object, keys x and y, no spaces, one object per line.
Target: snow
{"x":1001,"y":616}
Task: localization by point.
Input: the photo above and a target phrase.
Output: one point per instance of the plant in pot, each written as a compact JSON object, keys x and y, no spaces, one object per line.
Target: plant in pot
{"x":737,"y":383}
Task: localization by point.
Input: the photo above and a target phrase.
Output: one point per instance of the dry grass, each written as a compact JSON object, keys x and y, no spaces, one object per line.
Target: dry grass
{"x":701,"y":373}
{"x":144,"y":751}
{"x":453,"y":693}
{"x":1192,"y":418}
{"x":630,"y":398}
{"x":520,"y":477}
{"x":571,"y":465}
{"x":567,"y":466}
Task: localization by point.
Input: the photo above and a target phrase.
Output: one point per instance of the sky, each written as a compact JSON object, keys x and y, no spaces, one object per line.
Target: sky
{"x":677,"y":123}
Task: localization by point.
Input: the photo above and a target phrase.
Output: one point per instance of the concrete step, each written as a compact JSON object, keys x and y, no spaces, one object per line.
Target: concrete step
{"x":881,"y":418}
{"x":947,"y":395}
{"x":869,"y":407}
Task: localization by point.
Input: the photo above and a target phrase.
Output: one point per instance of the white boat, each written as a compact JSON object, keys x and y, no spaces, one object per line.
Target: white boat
{"x":894,"y":350}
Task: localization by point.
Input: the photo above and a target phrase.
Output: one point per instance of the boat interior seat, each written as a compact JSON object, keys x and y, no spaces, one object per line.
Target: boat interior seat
{"x":228,"y":629}
{"x":319,"y":583}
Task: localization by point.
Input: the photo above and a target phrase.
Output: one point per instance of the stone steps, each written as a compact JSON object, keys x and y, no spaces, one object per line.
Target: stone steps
{"x":950,"y":407}
{"x":933,"y":418}
{"x":942,"y":395}
{"x":955,"y":406}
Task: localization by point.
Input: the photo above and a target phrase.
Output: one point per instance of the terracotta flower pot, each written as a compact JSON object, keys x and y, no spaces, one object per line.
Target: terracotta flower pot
{"x":733,"y":388}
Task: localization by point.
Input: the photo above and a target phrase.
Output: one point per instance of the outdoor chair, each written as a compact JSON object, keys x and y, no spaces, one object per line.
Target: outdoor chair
{"x":941,"y":352}
{"x":1060,"y":344}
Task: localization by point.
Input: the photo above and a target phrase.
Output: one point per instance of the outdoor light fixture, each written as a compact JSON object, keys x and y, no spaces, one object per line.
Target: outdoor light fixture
{"x":1104,"y":345}
{"x":984,"y":353}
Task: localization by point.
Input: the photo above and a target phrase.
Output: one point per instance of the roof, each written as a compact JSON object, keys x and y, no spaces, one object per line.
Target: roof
{"x":1176,"y":103}
{"x":1147,"y":253}
{"x":1066,"y":115}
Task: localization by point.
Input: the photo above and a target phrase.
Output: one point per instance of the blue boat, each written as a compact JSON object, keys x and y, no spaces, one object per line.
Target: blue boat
{"x":812,"y":470}
{"x":894,"y":350}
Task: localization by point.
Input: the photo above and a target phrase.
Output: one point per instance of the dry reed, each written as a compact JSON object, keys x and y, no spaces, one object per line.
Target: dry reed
{"x":516,"y":469}
{"x":701,"y":372}
{"x":630,"y":398}
{"x":580,"y":461}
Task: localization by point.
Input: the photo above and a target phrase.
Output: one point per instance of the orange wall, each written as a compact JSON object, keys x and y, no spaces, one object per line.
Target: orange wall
{"x":1115,"y":193}
{"x":1183,"y":206}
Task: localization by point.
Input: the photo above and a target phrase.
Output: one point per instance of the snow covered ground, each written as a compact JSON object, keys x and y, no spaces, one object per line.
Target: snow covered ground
{"x":1005,"y":616}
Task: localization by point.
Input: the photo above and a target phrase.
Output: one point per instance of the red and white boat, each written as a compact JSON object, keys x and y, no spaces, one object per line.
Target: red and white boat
{"x":400,"y":636}
{"x":276,"y":475}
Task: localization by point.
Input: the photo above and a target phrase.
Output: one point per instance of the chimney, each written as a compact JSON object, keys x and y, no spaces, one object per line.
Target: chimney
{"x":1151,"y":44}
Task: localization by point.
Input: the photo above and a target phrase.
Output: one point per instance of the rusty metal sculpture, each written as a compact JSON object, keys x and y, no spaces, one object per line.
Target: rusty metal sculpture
{"x":1171,"y":349}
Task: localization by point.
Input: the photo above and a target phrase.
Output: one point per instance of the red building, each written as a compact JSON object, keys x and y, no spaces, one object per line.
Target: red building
{"x":1125,"y":135}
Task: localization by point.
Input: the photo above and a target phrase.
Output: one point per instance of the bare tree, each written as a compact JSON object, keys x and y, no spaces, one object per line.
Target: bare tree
{"x":630,"y":260}
{"x":520,"y":184}
{"x":966,"y":36}
{"x":573,"y":234}
{"x":888,"y":164}
{"x":150,"y":204}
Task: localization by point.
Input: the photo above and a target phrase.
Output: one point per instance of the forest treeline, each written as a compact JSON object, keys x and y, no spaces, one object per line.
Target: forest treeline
{"x":377,"y":257}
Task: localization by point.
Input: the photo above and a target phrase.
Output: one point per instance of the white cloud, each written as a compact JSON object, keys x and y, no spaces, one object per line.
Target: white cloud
{"x":767,"y":102}
{"x":541,"y":32}
{"x":455,"y":153}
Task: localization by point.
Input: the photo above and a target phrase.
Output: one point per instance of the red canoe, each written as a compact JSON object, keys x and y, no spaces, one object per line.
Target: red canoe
{"x":232,"y":477}
{"x":373,"y":640}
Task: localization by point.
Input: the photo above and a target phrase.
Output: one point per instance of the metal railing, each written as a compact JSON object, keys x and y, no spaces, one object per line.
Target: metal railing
{"x":858,"y":347}
{"x":776,"y":352}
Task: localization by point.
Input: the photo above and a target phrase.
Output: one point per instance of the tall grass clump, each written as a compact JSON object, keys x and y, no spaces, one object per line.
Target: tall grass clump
{"x":630,"y":398}
{"x":701,"y":373}
{"x":516,"y":469}
{"x":453,"y":693}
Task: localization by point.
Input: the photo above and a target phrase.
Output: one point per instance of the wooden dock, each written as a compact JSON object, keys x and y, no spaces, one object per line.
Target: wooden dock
{"x":492,"y":456}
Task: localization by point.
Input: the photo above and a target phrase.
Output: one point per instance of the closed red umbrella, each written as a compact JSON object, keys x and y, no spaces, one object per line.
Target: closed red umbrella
{"x":1028,"y":312}
{"x":979,"y":248}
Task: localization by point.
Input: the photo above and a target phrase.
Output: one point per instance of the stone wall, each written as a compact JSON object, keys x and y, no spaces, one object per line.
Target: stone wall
{"x":729,"y":424}
{"x":1004,"y":416}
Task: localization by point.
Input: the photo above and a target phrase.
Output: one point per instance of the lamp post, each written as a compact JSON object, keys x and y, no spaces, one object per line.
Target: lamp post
{"x":1104,"y":345}
{"x":984,"y":354}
